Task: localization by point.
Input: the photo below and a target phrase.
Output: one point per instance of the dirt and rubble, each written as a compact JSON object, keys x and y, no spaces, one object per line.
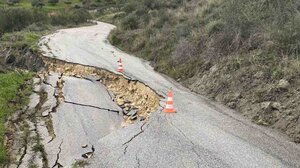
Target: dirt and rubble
{"x":135,"y":98}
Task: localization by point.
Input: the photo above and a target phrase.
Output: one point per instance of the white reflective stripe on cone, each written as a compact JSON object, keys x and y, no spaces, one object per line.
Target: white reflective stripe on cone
{"x":169,"y":106}
{"x":170,"y":99}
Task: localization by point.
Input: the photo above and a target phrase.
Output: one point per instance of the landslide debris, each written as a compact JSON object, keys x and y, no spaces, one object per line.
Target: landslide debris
{"x":135,"y":98}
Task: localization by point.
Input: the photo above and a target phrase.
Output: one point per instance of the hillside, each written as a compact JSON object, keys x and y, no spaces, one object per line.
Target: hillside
{"x":242,"y":53}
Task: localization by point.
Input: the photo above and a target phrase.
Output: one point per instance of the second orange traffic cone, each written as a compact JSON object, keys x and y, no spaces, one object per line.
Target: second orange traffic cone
{"x":169,"y":104}
{"x":120,"y":66}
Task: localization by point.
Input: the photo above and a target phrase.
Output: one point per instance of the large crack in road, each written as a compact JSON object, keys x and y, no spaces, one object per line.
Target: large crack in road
{"x":198,"y":135}
{"x":70,"y":116}
{"x":128,"y":94}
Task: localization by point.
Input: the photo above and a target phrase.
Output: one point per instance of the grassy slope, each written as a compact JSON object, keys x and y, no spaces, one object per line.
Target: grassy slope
{"x":13,"y":96}
{"x":48,"y":7}
{"x":233,"y":51}
{"x":23,"y":46}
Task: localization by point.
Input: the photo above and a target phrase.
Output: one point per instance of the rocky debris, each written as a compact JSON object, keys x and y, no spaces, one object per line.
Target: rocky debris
{"x":276,"y":105}
{"x":128,"y":94}
{"x":283,"y":84}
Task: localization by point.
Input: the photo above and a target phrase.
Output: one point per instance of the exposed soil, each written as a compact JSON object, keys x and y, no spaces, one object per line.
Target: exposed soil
{"x":135,"y":98}
{"x":18,"y":58}
{"x":262,"y":94}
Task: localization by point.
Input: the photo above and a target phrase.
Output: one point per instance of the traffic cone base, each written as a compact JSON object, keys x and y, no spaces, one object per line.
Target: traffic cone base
{"x":169,"y":110}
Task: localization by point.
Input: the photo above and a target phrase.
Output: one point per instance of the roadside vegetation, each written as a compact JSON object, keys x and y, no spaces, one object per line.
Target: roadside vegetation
{"x":22,"y":24}
{"x":14,"y":92}
{"x":242,"y":53}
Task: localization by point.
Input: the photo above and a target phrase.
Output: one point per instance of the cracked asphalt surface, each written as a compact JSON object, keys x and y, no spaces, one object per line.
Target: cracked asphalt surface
{"x":201,"y":134}
{"x":86,"y":115}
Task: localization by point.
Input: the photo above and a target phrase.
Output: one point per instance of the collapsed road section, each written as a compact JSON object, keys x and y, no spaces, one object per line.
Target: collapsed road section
{"x":135,"y":98}
{"x":76,"y":106}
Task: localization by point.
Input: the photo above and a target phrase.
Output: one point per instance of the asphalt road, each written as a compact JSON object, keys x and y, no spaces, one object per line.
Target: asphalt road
{"x":201,"y":134}
{"x":86,"y":115}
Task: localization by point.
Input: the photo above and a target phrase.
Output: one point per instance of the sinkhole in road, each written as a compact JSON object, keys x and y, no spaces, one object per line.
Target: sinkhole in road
{"x":136,"y":100}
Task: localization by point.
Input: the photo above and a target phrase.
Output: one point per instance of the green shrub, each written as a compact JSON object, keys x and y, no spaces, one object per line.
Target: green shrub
{"x":53,"y":2}
{"x":130,"y":22}
{"x":70,"y":17}
{"x":21,"y":19}
{"x":12,"y":2}
{"x":21,"y":39}
{"x":37,"y":3}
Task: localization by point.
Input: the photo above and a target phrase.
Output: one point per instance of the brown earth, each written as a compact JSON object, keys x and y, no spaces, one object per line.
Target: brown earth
{"x":135,"y":98}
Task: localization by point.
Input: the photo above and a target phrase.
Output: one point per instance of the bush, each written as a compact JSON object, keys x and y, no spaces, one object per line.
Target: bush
{"x":67,"y":2}
{"x":53,"y":2}
{"x":21,"y":19}
{"x":37,"y":3}
{"x":130,"y":22}
{"x":12,"y":2}
{"x":70,"y":17}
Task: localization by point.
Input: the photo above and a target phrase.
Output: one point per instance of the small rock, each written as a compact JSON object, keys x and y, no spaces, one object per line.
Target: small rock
{"x":276,"y":105}
{"x":120,"y":102}
{"x":84,"y":145}
{"x":87,"y":155}
{"x":127,"y":102}
{"x":125,"y":112}
{"x":132,"y":113}
{"x":142,"y":118}
{"x":133,"y":117}
{"x":283,"y":84}
{"x":45,"y":113}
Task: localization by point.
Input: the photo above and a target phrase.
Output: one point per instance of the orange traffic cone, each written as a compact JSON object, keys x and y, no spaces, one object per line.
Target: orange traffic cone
{"x":169,"y":104}
{"x":120,"y":66}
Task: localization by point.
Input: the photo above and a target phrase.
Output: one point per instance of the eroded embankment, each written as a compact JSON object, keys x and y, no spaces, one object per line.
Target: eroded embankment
{"x":135,"y":98}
